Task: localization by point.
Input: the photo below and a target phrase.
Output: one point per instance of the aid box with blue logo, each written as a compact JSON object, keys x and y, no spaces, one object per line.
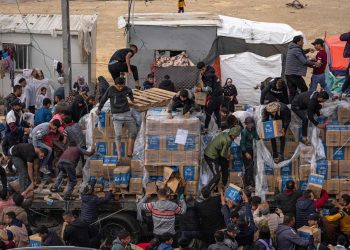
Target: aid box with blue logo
{"x":271,"y":129}
{"x":35,"y":240}
{"x":324,"y":168}
{"x":189,"y":173}
{"x":235,"y":150}
{"x":237,"y":165}
{"x":153,"y":142}
{"x":102,"y":148}
{"x":234,"y":193}
{"x":305,"y":232}
{"x":315,"y":183}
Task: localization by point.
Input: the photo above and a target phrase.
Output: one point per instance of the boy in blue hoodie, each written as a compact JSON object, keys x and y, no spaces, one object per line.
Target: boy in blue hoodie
{"x":167,"y":241}
{"x":44,"y":113}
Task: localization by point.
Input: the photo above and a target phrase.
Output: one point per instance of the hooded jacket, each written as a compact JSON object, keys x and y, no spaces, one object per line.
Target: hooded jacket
{"x":189,"y":221}
{"x":308,"y":101}
{"x":77,"y":234}
{"x":296,"y":61}
{"x":219,"y":146}
{"x":167,"y":85}
{"x":78,"y":112}
{"x":287,"y":238}
{"x":304,"y":208}
{"x":210,"y":79}
{"x":103,"y":85}
{"x":118,"y":99}
{"x":176,"y":103}
{"x":271,"y":94}
{"x":346,"y":38}
{"x":117,"y":245}
{"x":164,"y":246}
{"x":287,"y":201}
{"x":90,"y":204}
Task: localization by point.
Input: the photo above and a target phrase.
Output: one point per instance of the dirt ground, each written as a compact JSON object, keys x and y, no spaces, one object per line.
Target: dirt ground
{"x":318,"y":17}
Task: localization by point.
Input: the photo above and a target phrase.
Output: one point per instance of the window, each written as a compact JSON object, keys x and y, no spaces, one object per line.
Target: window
{"x":21,"y":54}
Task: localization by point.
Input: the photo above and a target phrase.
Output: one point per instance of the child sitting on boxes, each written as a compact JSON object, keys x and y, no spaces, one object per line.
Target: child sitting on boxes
{"x":121,"y":113}
{"x":247,"y":136}
{"x":183,"y":99}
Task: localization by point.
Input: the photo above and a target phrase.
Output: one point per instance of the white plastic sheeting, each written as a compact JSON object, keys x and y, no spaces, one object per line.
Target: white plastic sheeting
{"x":247,"y":70}
{"x":256,"y":32}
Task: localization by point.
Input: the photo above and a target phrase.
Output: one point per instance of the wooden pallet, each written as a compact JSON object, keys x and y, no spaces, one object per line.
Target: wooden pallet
{"x":154,"y":97}
{"x":43,"y":190}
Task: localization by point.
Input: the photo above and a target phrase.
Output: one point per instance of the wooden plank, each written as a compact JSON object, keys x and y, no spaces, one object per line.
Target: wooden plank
{"x":150,"y":95}
{"x":169,"y":93}
{"x":160,"y":94}
{"x":145,"y":98}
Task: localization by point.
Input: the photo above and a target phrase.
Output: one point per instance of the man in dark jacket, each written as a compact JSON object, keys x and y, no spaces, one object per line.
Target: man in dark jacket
{"x":210,"y":216}
{"x":220,"y":242}
{"x":90,"y":202}
{"x":287,"y":200}
{"x":77,"y":232}
{"x":78,"y":108}
{"x":17,"y":92}
{"x":183,"y":99}
{"x":121,"y":114}
{"x":306,"y":106}
{"x":167,"y":84}
{"x":120,"y":62}
{"x":215,"y":92}
{"x":346,"y":38}
{"x":287,"y":238}
{"x":49,"y":237}
{"x":189,"y":221}
{"x":103,"y":85}
{"x":296,"y":66}
{"x":277,"y":111}
{"x":304,"y":207}
{"x":275,"y":91}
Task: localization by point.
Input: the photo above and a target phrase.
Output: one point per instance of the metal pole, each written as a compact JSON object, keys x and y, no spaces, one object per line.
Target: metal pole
{"x":67,"y":61}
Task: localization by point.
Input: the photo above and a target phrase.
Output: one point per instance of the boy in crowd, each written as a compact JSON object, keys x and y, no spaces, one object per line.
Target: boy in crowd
{"x":167,"y":84}
{"x":41,"y":97}
{"x":183,"y":99}
{"x":247,"y":137}
{"x":43,"y":114}
{"x":121,"y":113}
{"x":149,"y":83}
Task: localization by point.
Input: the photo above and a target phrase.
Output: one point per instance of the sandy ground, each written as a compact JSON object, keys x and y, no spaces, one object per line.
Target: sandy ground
{"x":318,"y":17}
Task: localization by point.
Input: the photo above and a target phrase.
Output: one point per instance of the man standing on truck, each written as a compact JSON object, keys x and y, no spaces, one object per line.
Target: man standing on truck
{"x":163,"y":212}
{"x":120,"y":62}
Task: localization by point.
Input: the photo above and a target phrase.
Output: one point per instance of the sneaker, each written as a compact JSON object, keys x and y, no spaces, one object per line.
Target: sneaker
{"x":44,"y":170}
{"x":56,"y":190}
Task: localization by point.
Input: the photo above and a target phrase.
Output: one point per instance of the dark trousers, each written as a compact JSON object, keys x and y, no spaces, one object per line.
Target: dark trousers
{"x":181,"y":9}
{"x":213,"y":106}
{"x":294,"y":83}
{"x":3,"y":178}
{"x":302,"y":114}
{"x":248,"y":168}
{"x":22,"y":170}
{"x":66,"y":169}
{"x":229,"y":104}
{"x":275,"y":154}
{"x":215,"y":165}
{"x":116,"y":68}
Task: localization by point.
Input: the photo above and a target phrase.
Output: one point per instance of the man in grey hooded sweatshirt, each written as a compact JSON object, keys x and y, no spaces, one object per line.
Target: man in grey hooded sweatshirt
{"x":296,"y":66}
{"x":287,"y":238}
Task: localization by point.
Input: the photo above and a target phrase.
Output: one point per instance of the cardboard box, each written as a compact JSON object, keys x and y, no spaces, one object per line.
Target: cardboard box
{"x":121,"y":176}
{"x":343,"y":115}
{"x":151,"y":157}
{"x":189,"y":173}
{"x":135,"y":186}
{"x":302,"y":186}
{"x":336,"y":153}
{"x":324,"y":168}
{"x":344,"y":186}
{"x":167,"y":173}
{"x":236,"y":179}
{"x":236,"y":165}
{"x":271,"y":183}
{"x":152,"y":126}
{"x":322,"y":135}
{"x":192,"y":143}
{"x":334,"y":168}
{"x":306,"y":231}
{"x":14,"y":185}
{"x":95,"y":166}
{"x":110,"y":134}
{"x":109,"y":164}
{"x":344,"y":169}
{"x":306,"y":153}
{"x":151,"y":188}
{"x":177,"y":157}
{"x":103,"y":119}
{"x":165,"y":157}
{"x":290,"y":169}
{"x":290,"y":148}
{"x":35,"y":240}
{"x":282,"y":181}
{"x":235,"y":150}
{"x":137,"y":168}
{"x":271,"y":129}
{"x":269,"y":170}
{"x":113,"y":148}
{"x":315,"y":183}
{"x":191,"y":188}
{"x":304,"y":172}
{"x":234,"y":193}
{"x":345,"y":137}
{"x":173,"y":184}
{"x":268,"y":145}
{"x":333,"y":136}
{"x":102,"y":148}
{"x":99,"y":134}
{"x":170,"y":143}
{"x":332,"y":186}
{"x":153,"y":142}
{"x":201,"y":98}
{"x":152,"y":170}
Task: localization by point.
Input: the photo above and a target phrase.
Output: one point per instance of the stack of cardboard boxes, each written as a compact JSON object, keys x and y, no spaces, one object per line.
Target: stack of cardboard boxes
{"x":172,"y":149}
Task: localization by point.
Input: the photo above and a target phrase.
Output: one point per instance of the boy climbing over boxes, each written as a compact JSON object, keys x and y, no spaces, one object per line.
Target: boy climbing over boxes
{"x":247,"y":137}
{"x":216,"y":155}
{"x":121,"y":114}
{"x":183,"y":99}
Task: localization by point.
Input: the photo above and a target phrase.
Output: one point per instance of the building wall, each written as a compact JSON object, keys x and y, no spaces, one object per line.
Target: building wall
{"x":197,"y":41}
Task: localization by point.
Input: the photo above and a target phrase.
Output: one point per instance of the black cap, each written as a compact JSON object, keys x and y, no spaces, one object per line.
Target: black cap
{"x":314,"y":216}
{"x":318,"y":41}
{"x":16,"y":102}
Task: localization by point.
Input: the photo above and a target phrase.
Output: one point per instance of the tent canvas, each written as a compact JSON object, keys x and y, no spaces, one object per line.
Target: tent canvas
{"x":335,"y":48}
{"x":247,"y":70}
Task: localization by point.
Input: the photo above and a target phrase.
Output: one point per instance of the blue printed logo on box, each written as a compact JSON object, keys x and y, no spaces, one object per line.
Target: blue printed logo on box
{"x":338,"y":153}
{"x":322,"y":168}
{"x":304,"y":235}
{"x":124,"y":178}
{"x":101,"y":147}
{"x":35,"y":243}
{"x":302,"y":186}
{"x":116,"y":178}
{"x":317,"y":180}
{"x":102,"y":118}
{"x":287,"y":170}
{"x":237,"y":165}
{"x":115,"y":152}
{"x":268,"y":169}
{"x":235,"y":150}
{"x":268,"y":130}
{"x":190,"y":143}
{"x":188,"y":173}
{"x":153,"y":142}
{"x":233,"y":194}
{"x":170,"y":143}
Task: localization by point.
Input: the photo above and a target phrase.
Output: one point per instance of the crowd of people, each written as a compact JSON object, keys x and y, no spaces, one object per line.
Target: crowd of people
{"x":53,"y":144}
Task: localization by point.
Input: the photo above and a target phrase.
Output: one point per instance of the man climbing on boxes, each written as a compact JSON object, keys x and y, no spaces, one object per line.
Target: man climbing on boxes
{"x":216,"y":155}
{"x":121,"y":114}
{"x":183,"y":99}
{"x":306,"y":105}
{"x":277,"y":111}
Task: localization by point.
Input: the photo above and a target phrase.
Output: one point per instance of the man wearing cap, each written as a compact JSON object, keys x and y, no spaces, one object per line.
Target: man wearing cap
{"x":216,"y":155}
{"x":318,"y":74}
{"x":277,"y":111}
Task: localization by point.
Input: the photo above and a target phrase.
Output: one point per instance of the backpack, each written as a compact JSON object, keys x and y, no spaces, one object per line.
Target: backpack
{"x":267,"y":247}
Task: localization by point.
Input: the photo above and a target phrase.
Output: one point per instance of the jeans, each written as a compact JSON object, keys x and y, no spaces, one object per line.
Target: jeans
{"x":66,"y":169}
{"x":118,"y":67}
{"x":319,"y":79}
{"x":124,"y":119}
{"x":22,"y":170}
{"x":40,"y":144}
{"x":295,"y":82}
{"x":213,"y":106}
{"x":248,"y":168}
{"x":215,"y":165}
